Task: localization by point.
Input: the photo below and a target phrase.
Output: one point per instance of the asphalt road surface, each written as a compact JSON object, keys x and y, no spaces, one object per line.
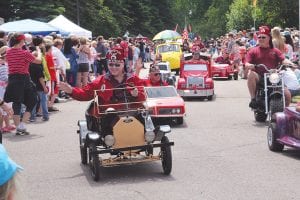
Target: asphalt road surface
{"x":220,"y":152}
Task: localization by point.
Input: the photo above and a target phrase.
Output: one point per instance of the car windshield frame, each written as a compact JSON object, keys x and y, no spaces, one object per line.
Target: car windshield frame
{"x":195,"y":67}
{"x":168,"y":48}
{"x":161,"y":92}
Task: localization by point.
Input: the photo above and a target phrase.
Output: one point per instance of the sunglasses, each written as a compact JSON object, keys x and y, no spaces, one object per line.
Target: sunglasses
{"x":157,"y":74}
{"x":114,"y":64}
{"x":262,"y":37}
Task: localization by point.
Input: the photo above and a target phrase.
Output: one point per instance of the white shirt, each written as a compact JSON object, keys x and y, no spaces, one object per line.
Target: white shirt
{"x":290,"y":80}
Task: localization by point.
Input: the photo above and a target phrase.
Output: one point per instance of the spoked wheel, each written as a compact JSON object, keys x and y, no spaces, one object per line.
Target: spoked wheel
{"x":94,"y":162}
{"x":166,"y":156}
{"x":83,"y":154}
{"x":272,"y":142}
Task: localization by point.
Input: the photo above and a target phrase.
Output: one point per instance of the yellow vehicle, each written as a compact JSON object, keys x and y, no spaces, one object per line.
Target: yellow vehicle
{"x":171,"y":52}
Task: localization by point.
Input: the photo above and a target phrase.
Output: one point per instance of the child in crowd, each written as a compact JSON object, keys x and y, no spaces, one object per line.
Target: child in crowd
{"x":4,"y":117}
{"x":52,"y":71}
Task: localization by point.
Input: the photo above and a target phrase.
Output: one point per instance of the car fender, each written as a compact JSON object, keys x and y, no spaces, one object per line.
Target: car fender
{"x":281,"y":123}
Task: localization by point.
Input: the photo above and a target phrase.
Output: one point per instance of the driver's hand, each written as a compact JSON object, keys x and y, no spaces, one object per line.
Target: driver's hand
{"x":65,"y":87}
{"x":134,"y":92}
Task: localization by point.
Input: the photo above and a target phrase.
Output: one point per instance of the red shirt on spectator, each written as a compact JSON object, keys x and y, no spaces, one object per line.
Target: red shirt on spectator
{"x":18,"y":60}
{"x":51,"y":66}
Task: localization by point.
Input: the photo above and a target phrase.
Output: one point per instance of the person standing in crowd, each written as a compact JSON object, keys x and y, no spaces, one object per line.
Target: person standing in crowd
{"x":71,"y":55}
{"x":289,"y":53}
{"x":84,"y":56}
{"x":20,"y":89}
{"x":266,"y":54}
{"x":8,"y":172}
{"x":4,"y":116}
{"x":37,"y":76}
{"x":53,"y":78}
{"x":101,"y":57}
{"x":277,"y":39}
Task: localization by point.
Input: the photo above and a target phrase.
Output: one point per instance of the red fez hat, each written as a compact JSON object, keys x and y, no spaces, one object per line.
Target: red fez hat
{"x":115,"y":54}
{"x":264,"y":30}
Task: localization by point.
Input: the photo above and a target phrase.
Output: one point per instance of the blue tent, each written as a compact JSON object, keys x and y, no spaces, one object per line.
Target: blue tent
{"x":29,"y":26}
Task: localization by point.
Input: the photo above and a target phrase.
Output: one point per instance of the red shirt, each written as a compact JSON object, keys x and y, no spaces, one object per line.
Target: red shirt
{"x":104,"y":84}
{"x":149,"y":83}
{"x":18,"y":60}
{"x":267,"y":56}
{"x":51,"y":66}
{"x":222,"y":60}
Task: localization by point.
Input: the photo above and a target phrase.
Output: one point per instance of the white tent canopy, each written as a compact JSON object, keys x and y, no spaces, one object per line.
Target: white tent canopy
{"x":67,"y":27}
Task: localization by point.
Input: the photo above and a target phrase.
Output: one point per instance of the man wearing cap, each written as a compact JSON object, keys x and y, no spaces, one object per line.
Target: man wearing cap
{"x":105,"y":84}
{"x":265,"y":54}
{"x":154,"y":78}
{"x":8,"y":169}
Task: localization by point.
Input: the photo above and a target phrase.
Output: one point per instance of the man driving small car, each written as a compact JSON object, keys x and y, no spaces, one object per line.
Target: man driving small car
{"x":110,"y":86}
{"x":154,"y":78}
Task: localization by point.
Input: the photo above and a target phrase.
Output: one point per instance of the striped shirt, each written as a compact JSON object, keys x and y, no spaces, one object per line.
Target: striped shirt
{"x":18,"y":60}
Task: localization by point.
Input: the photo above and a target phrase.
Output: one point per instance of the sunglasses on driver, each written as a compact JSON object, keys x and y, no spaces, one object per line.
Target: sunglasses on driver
{"x":114,"y":64}
{"x":262,"y":37}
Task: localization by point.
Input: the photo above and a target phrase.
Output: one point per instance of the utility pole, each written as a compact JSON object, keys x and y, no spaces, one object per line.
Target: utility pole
{"x":77,"y":9}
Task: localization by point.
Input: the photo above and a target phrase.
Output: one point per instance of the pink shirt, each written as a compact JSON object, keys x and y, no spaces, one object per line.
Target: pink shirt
{"x":267,"y":56}
{"x":18,"y":60}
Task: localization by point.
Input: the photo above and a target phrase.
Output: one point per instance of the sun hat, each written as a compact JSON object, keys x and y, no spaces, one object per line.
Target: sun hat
{"x":7,"y":166}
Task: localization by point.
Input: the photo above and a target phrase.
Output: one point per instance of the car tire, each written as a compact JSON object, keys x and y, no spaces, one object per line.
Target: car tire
{"x":83,"y":154}
{"x":272,"y":139}
{"x":235,"y":76}
{"x":179,"y":120}
{"x":94,"y":163}
{"x":210,"y":98}
{"x":260,"y":116}
{"x":276,"y":105}
{"x":166,"y":156}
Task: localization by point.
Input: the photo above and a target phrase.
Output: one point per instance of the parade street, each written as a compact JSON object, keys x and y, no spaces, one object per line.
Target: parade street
{"x":220,"y":152}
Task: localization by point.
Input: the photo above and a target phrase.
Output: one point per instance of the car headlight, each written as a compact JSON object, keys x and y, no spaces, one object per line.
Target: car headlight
{"x":274,"y":78}
{"x":149,"y":136}
{"x":178,"y":110}
{"x":109,"y":140}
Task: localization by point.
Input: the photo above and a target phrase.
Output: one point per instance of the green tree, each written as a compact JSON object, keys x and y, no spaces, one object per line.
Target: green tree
{"x":239,"y":16}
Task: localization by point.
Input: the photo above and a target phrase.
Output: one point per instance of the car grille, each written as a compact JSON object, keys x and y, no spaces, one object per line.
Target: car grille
{"x":195,"y":81}
{"x":165,"y":111}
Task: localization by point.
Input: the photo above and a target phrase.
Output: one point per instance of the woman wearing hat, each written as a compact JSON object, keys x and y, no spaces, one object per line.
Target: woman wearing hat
{"x":115,"y":78}
{"x":20,"y":90}
{"x":265,"y":54}
{"x":8,"y":169}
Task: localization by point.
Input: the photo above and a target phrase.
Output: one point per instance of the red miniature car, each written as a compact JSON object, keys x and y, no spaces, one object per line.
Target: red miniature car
{"x":223,"y":71}
{"x":195,"y":78}
{"x":164,"y":103}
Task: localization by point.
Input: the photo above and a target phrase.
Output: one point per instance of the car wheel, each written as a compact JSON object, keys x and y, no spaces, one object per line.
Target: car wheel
{"x":209,"y":98}
{"x":179,"y":120}
{"x":94,"y":163}
{"x":166,"y":156}
{"x":260,"y":116}
{"x":229,"y":77}
{"x":272,"y":139}
{"x":276,"y":105}
{"x":235,"y":76}
{"x":83,"y":154}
